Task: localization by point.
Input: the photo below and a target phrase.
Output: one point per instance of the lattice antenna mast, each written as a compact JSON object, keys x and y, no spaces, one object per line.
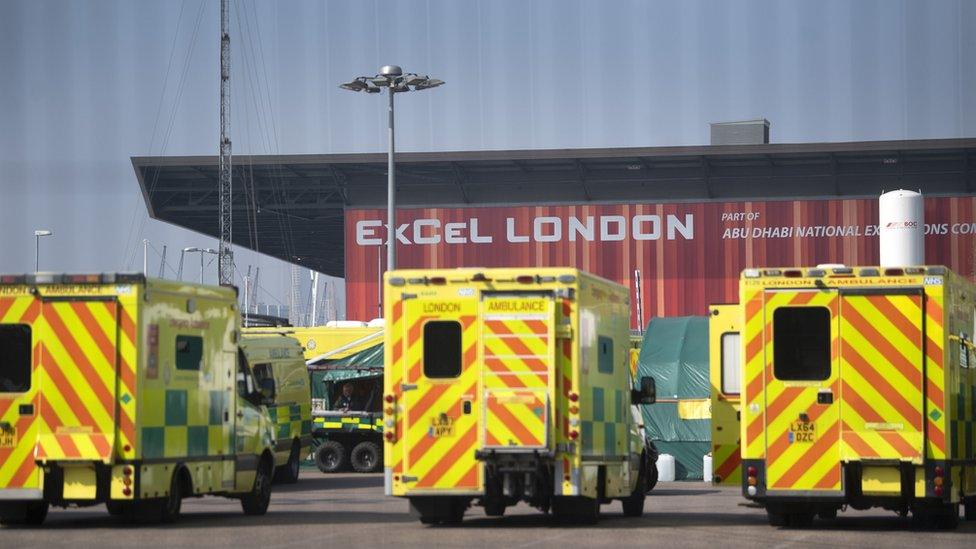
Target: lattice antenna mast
{"x":225,"y":263}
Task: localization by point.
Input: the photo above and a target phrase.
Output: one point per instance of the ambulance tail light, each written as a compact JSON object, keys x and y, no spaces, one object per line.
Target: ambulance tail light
{"x":894,"y":271}
{"x":525,"y":279}
{"x":389,"y":436}
{"x":437,"y":280}
{"x":938,"y":480}
{"x":793,"y":273}
{"x":752,"y":478}
{"x":574,"y":434}
{"x":573,"y":397}
{"x":12,"y":279}
{"x":389,"y":398}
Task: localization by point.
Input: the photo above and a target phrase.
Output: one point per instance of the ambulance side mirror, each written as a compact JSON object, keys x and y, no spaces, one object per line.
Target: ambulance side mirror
{"x":647,"y":394}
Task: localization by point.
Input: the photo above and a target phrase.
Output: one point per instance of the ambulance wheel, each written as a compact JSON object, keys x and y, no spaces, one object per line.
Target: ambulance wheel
{"x":970,"y":505}
{"x":949,"y":518}
{"x":30,"y":514}
{"x":801,"y":520}
{"x":776,"y":517}
{"x":634,"y":504}
{"x":330,"y":456}
{"x":575,"y":509}
{"x":651,"y":477}
{"x":365,"y":457}
{"x":288,"y":473}
{"x":495,"y":508}
{"x":439,"y":510}
{"x":118,"y":508}
{"x":256,"y":501}
{"x":170,"y":506}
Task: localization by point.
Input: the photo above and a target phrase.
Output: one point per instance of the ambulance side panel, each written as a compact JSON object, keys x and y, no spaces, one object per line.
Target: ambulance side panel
{"x":188,"y":402}
{"x":604,"y":372}
{"x":960,"y":384}
{"x":725,"y":373}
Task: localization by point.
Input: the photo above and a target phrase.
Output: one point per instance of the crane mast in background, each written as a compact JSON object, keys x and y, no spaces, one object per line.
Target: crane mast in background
{"x":225,"y":255}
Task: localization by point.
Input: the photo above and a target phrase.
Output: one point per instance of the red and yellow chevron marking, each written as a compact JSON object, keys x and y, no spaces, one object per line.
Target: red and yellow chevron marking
{"x":727,"y":464}
{"x":442,"y":460}
{"x":516,"y":353}
{"x":515,"y":418}
{"x":393,"y":452}
{"x":801,"y":465}
{"x":935,"y":412}
{"x":78,"y":376}
{"x":17,"y":466}
{"x":753,"y":394}
{"x":881,"y":365}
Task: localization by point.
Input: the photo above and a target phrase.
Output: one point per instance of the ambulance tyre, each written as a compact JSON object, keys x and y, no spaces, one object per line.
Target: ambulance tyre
{"x":634,"y":504}
{"x":495,"y":507}
{"x":801,"y":520}
{"x":256,"y":501}
{"x":827,"y":513}
{"x":777,"y":517}
{"x":170,"y":506}
{"x":970,"y":504}
{"x":365,"y":457}
{"x":118,"y":508}
{"x":288,"y":473}
{"x":575,"y":509}
{"x":29,"y":514}
{"x":439,"y":510}
{"x":330,"y":456}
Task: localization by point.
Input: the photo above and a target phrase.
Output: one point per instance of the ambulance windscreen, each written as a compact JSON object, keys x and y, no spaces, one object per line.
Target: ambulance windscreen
{"x":801,"y":343}
{"x":15,"y":358}
{"x":442,"y":349}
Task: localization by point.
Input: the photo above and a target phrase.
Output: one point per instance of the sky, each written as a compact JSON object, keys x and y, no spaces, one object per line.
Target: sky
{"x":86,"y":85}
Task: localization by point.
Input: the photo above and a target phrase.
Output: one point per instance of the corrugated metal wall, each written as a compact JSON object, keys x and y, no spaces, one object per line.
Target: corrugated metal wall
{"x":695,"y":263}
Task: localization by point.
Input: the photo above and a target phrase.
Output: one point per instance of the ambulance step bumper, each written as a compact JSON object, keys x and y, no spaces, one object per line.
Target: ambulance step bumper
{"x":21,"y":494}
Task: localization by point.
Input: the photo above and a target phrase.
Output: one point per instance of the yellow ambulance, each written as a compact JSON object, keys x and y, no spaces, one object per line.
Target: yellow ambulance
{"x":509,"y":385}
{"x":128,"y":392}
{"x":725,"y":374}
{"x":279,"y":367}
{"x":858,"y":391}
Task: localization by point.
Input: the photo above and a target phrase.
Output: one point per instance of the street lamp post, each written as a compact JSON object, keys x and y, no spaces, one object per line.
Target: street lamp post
{"x":37,"y":245}
{"x":201,"y":251}
{"x":392,"y":78}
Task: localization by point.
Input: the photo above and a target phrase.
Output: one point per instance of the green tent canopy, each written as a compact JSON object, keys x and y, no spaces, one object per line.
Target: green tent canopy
{"x":675,"y":354}
{"x":364,"y":364}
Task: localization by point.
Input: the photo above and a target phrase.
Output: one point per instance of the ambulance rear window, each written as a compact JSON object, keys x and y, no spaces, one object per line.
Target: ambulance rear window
{"x":442,"y":349}
{"x":15,"y":358}
{"x":801,"y":343}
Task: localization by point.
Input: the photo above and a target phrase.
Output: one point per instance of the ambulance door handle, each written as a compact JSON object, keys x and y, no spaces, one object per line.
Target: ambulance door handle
{"x":240,"y":413}
{"x":467,"y":406}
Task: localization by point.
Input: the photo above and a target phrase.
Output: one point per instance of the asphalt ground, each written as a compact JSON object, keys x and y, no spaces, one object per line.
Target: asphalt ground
{"x":350,"y":511}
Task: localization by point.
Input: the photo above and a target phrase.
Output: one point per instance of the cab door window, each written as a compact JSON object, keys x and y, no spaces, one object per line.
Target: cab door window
{"x":245,"y":381}
{"x":801,"y":343}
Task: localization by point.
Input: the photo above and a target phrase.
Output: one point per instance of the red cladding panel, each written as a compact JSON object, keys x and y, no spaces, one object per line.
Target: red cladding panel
{"x":689,"y":255}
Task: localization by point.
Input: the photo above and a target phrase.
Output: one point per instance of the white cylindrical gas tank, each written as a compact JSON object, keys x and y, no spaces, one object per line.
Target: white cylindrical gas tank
{"x":707,"y":468}
{"x":665,"y":468}
{"x":901,"y":227}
